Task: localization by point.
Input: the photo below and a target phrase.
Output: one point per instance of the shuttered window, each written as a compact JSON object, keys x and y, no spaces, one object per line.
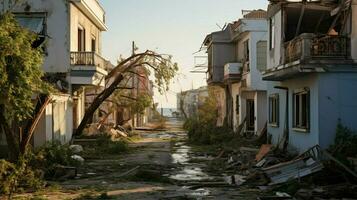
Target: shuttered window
{"x":262,"y":55}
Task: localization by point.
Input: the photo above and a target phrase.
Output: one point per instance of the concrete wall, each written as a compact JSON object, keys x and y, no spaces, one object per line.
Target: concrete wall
{"x":222,"y":53}
{"x":337,"y":100}
{"x":78,"y":19}
{"x":354,"y":30}
{"x":56,"y":122}
{"x":257,"y":82}
{"x":57,"y":45}
{"x":260,"y":101}
{"x":274,"y":54}
{"x":235,"y":92}
{"x":298,"y":140}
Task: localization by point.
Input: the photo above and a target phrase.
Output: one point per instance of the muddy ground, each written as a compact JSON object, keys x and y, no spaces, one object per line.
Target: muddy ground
{"x":159,"y":165}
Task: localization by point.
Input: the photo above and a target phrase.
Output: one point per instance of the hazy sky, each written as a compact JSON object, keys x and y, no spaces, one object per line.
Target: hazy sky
{"x":175,"y":27}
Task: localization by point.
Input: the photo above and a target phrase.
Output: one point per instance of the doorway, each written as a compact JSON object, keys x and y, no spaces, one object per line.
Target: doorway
{"x":250,"y":115}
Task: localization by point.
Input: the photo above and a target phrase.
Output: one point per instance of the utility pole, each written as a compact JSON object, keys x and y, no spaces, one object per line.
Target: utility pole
{"x":133,"y":84}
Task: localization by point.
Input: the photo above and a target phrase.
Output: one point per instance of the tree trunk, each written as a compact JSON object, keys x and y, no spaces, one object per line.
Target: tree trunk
{"x":11,"y":141}
{"x":29,"y":130}
{"x":97,"y":102}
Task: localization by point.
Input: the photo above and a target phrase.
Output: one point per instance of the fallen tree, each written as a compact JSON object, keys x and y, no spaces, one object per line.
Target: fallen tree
{"x":160,"y":64}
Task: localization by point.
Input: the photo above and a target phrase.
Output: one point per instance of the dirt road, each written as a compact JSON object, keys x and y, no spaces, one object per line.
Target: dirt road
{"x":159,"y":165}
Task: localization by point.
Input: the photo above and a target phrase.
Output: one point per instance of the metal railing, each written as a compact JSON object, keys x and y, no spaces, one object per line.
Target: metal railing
{"x":330,"y":46}
{"x":309,"y":46}
{"x":88,"y":59}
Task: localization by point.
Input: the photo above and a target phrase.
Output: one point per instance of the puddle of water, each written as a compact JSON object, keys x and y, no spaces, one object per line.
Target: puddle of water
{"x":190,"y":174}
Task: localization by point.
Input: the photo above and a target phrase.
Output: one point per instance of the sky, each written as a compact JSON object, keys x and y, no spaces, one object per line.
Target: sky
{"x":175,"y":27}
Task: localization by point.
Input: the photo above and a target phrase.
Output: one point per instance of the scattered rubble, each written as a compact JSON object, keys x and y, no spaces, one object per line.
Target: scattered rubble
{"x":76,"y":149}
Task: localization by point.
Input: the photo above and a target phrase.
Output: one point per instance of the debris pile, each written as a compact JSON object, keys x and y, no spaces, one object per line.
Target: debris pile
{"x":97,"y":130}
{"x":273,"y":172}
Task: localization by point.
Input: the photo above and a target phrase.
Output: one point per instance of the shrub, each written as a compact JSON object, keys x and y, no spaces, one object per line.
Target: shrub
{"x":18,"y":176}
{"x":49,"y":156}
{"x":345,"y":144}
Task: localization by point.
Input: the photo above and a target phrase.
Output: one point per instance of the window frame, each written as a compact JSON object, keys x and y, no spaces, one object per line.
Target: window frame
{"x":301,"y":110}
{"x":274,"y":100}
{"x":271,"y":33}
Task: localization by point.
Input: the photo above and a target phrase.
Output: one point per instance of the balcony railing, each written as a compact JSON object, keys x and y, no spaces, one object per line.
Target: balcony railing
{"x":309,"y":46}
{"x":88,"y":59}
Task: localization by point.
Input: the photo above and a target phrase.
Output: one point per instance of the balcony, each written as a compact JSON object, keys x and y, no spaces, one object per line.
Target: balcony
{"x":94,"y":11}
{"x":232,"y":72}
{"x":308,"y":47}
{"x":312,"y":53}
{"x":88,"y":68}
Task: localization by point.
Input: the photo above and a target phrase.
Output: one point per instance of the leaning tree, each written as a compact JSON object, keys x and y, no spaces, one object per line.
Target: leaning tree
{"x":161,"y":65}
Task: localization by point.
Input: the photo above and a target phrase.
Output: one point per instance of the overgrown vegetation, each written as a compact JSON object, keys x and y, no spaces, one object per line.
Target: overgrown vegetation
{"x":202,"y":127}
{"x":50,"y":156}
{"x":345,"y":144}
{"x":15,"y":177}
{"x":104,"y":144}
{"x":20,"y":79}
{"x":31,"y":169}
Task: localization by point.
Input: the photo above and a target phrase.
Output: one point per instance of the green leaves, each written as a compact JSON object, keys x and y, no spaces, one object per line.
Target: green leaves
{"x":20,"y":69}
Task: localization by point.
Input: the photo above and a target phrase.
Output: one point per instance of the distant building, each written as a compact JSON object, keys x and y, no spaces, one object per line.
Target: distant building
{"x":189,"y":101}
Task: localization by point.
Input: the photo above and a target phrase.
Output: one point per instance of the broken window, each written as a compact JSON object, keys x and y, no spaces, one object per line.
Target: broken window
{"x":271,"y":33}
{"x":36,"y":23}
{"x":301,"y":106}
{"x":274,"y":109}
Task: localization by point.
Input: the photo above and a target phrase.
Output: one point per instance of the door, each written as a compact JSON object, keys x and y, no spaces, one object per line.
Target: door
{"x":250,"y":115}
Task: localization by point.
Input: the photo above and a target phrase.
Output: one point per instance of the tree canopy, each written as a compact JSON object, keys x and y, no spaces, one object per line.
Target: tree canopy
{"x":20,"y":70}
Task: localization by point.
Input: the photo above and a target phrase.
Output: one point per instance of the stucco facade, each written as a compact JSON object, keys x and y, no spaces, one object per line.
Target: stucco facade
{"x":320,"y":84}
{"x":71,"y":32}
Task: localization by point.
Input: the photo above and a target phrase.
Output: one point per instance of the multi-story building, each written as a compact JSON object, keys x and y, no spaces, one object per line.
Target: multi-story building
{"x":247,"y":89}
{"x":236,"y":58}
{"x":312,"y":70}
{"x":71,"y":32}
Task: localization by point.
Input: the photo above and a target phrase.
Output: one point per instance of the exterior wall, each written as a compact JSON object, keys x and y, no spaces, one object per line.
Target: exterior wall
{"x":354,"y":30}
{"x":77,"y":18}
{"x":298,"y":140}
{"x":257,"y":82}
{"x":274,"y":55}
{"x":57,"y":59}
{"x":221,"y":105}
{"x":260,"y":101}
{"x":222,"y":53}
{"x":56,"y":122}
{"x":336,"y":101}
{"x":235,"y":92}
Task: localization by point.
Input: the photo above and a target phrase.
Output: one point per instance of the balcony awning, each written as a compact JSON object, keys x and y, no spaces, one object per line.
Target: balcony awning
{"x":34,"y":24}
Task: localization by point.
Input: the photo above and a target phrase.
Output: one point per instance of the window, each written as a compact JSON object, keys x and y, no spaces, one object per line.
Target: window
{"x":237,"y":105}
{"x":274,"y":110}
{"x":81,"y":39}
{"x":301,"y":106}
{"x":93,"y":44}
{"x":246,"y":50}
{"x":271,"y":33}
{"x":261,"y":55}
